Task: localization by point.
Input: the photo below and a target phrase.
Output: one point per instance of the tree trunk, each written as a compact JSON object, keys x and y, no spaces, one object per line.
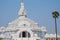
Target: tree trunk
{"x":56,"y":28}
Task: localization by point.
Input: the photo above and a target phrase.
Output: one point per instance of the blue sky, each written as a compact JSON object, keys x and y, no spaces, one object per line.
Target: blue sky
{"x":38,"y":10}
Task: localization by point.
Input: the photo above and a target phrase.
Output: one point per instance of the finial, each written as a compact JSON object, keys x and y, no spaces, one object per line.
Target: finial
{"x":22,"y":12}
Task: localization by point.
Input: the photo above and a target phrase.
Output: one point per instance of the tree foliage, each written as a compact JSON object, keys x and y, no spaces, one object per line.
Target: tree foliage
{"x":1,"y":38}
{"x":55,"y":14}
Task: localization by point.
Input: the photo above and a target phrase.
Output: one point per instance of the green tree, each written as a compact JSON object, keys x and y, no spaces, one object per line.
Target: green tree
{"x":1,"y":38}
{"x":55,"y":15}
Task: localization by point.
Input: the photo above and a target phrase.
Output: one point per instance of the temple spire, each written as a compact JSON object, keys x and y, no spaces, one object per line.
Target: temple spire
{"x":22,"y":12}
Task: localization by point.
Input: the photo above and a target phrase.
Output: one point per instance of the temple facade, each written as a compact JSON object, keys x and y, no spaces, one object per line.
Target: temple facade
{"x":23,"y":28}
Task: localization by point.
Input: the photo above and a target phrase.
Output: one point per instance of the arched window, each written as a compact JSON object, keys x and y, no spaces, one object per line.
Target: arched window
{"x":24,"y":34}
{"x":20,"y":35}
{"x":28,"y":34}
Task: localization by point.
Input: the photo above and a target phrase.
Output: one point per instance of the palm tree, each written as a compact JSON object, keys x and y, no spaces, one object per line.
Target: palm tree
{"x":55,"y":15}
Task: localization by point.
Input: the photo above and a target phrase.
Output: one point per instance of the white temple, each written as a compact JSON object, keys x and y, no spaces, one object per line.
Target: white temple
{"x":22,"y":28}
